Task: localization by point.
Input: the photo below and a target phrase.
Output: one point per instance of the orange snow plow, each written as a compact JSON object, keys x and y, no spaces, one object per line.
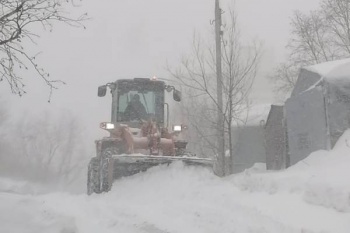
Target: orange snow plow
{"x":140,"y":137}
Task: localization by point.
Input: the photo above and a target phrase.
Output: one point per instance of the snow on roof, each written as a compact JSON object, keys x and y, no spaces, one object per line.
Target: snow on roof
{"x":333,"y":70}
{"x":257,"y":114}
{"x":253,"y":115}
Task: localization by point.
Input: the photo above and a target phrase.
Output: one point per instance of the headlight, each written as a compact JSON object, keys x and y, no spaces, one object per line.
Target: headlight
{"x":177,"y":128}
{"x":107,"y":125}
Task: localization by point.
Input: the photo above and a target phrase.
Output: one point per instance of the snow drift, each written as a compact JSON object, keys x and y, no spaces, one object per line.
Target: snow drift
{"x":311,"y":196}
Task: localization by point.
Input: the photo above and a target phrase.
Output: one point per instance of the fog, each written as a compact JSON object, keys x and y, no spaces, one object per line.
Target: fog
{"x":136,"y":38}
{"x":49,"y":182}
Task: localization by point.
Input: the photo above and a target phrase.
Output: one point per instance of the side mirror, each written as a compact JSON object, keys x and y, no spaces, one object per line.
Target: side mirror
{"x":102,"y":91}
{"x":177,"y":95}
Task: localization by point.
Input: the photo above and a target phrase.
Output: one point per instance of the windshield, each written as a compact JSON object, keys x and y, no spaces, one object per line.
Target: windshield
{"x":134,"y":105}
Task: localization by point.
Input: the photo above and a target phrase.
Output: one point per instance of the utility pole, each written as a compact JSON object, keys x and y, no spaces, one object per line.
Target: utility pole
{"x":220,"y":116}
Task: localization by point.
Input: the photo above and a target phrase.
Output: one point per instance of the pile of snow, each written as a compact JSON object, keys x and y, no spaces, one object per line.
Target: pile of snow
{"x":311,"y":196}
{"x":321,"y":179}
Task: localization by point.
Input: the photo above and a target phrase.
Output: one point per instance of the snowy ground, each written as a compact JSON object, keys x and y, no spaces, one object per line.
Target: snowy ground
{"x":312,"y":196}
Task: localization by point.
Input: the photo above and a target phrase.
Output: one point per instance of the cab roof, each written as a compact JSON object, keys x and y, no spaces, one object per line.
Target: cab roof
{"x":139,"y":80}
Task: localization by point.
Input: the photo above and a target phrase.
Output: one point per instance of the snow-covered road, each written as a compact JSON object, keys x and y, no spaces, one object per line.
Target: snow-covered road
{"x":174,"y":199}
{"x":312,"y":196}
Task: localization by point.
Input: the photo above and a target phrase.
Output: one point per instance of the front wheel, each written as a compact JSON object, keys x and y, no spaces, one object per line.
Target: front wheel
{"x":93,"y":176}
{"x":112,"y":150}
{"x":105,"y":182}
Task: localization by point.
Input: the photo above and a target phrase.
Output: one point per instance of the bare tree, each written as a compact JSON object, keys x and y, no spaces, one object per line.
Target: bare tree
{"x":284,"y":78}
{"x":197,"y":77}
{"x":49,"y":149}
{"x":18,"y":18}
{"x":337,"y":15}
{"x":319,"y":36}
{"x":310,"y":43}
{"x":240,"y":65}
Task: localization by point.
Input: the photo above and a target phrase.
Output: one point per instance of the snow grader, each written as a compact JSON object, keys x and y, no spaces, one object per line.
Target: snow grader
{"x":140,"y":133}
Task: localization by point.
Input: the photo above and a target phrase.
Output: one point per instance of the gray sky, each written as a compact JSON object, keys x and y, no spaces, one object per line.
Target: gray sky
{"x":135,"y":38}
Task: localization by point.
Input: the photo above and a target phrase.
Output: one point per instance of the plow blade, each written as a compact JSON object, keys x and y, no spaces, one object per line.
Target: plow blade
{"x":127,"y":165}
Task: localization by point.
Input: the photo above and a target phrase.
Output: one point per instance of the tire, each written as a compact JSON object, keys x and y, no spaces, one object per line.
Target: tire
{"x":97,"y":178}
{"x":93,"y":176}
{"x":112,"y":150}
{"x":104,"y":184}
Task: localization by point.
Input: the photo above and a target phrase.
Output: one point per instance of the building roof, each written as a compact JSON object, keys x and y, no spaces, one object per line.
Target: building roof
{"x":333,"y":70}
{"x":257,"y":115}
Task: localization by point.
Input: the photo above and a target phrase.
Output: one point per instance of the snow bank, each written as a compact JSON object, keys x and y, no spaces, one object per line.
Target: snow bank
{"x":321,"y":178}
{"x":329,"y":185}
{"x":312,"y":196}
